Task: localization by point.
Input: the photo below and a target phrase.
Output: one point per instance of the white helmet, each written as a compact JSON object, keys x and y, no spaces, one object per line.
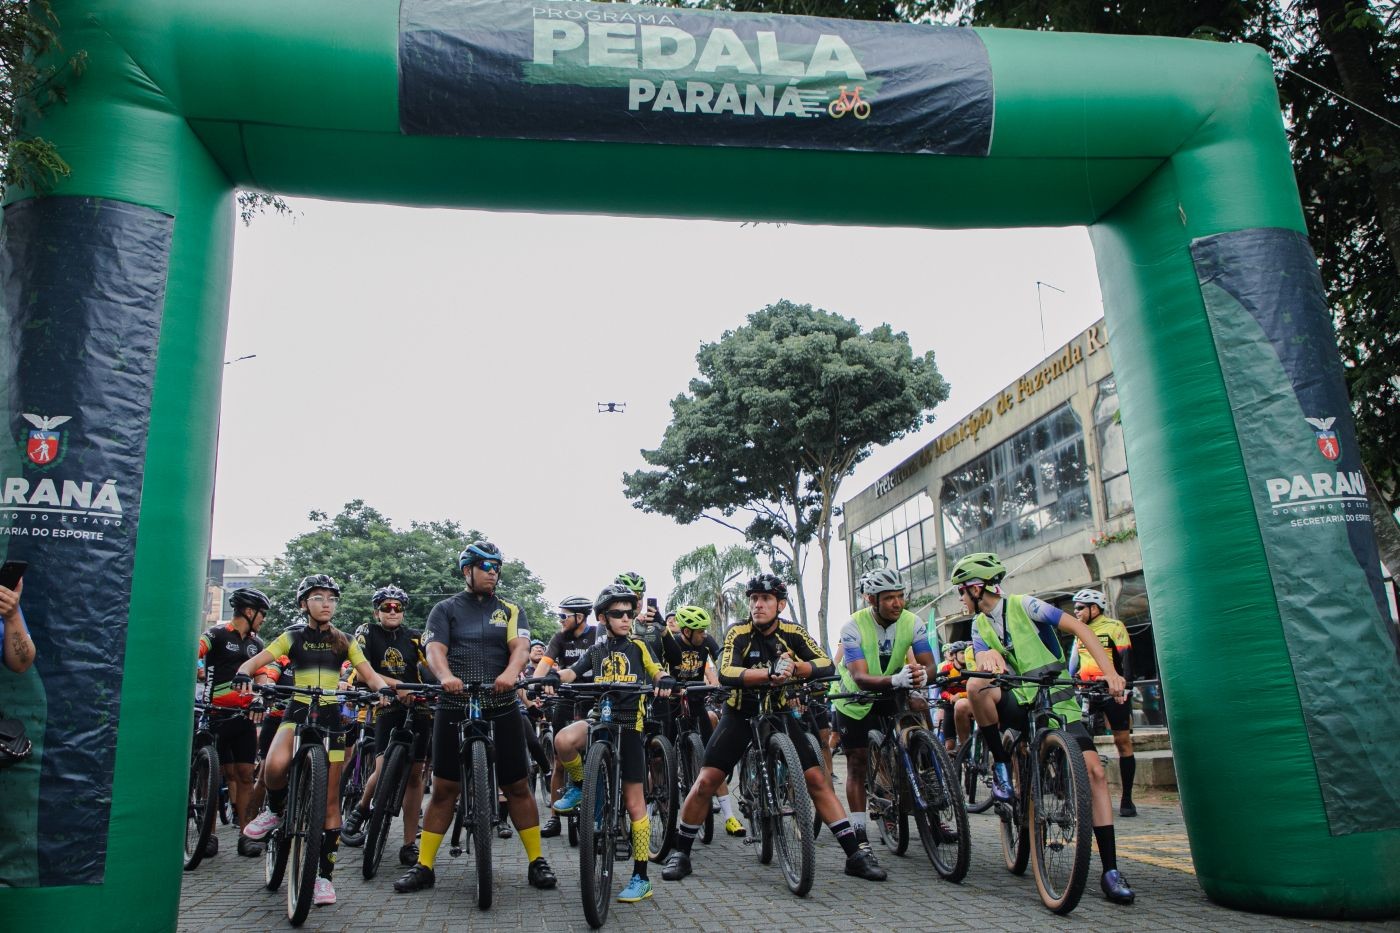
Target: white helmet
{"x":1092,"y":598}
{"x":882,"y":580}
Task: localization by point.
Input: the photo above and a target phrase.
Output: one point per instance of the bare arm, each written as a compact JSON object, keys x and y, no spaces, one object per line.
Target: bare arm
{"x":19,"y":647}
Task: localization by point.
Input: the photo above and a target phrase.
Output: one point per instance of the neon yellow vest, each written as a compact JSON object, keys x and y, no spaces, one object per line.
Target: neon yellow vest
{"x":1029,"y":658}
{"x":870,"y":644}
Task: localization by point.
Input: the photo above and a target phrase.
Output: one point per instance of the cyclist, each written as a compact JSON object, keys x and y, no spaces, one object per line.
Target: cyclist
{"x":649,"y":627}
{"x":1019,"y":634}
{"x":1091,"y":608}
{"x":574,"y":638}
{"x":268,"y":720}
{"x":764,"y":650}
{"x":696,"y":663}
{"x":536,"y":652}
{"x":222,"y":649}
{"x":317,"y":648}
{"x":875,"y":645}
{"x":395,"y":651}
{"x":952,"y":698}
{"x":620,"y":657}
{"x":477,"y":637}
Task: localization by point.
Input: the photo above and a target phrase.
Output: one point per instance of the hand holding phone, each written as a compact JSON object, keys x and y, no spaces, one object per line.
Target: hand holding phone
{"x":12,"y":572}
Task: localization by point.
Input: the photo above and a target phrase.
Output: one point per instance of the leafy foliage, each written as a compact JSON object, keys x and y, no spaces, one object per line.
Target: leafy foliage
{"x":30,"y":83}
{"x":783,"y":410}
{"x":362,"y":551}
{"x":714,"y":580}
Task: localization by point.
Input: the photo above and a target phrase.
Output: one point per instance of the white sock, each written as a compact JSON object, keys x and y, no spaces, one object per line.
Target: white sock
{"x":858,"y":819}
{"x":726,"y":806}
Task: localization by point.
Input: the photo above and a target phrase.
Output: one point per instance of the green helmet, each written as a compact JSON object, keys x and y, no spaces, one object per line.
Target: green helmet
{"x":633,"y":581}
{"x":984,"y":566}
{"x":693,"y":617}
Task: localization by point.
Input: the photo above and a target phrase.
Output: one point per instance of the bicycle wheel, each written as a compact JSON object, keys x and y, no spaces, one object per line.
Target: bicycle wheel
{"x":792,"y":837}
{"x":817,"y":750}
{"x":660,"y":791}
{"x":306,"y":813}
{"x":547,"y":743}
{"x":751,"y":804}
{"x":388,"y":798}
{"x":1060,"y":821}
{"x":200,"y":808}
{"x":889,"y":813}
{"x":974,"y":767}
{"x":942,"y":821}
{"x":481,"y":811}
{"x":1015,"y":842}
{"x":597,"y":842}
{"x":276,"y":849}
{"x":690,"y":757}
{"x":354,"y":776}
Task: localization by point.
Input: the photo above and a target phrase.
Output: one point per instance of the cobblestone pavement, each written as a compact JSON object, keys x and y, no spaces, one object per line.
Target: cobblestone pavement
{"x":730,"y":890}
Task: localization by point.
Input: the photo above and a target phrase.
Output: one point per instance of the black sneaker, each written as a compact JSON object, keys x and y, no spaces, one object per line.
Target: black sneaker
{"x":862,"y":864}
{"x":1115,"y":887}
{"x":352,"y":830}
{"x":415,"y":879}
{"x":540,"y":875}
{"x":677,"y":867}
{"x":1127,"y":809}
{"x":504,"y":831}
{"x":211,"y":847}
{"x":550,"y":828}
{"x":408,"y":855}
{"x":249,"y":847}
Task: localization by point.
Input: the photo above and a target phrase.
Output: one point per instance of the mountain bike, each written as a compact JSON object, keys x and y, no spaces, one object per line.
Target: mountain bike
{"x":1049,"y":819}
{"x":973,"y":764}
{"x":297,"y":839}
{"x":773,"y":794}
{"x":355,"y":775}
{"x":539,"y":778}
{"x":202,"y":801}
{"x":389,"y":789}
{"x":660,"y":784}
{"x":909,"y":774}
{"x":809,"y":696}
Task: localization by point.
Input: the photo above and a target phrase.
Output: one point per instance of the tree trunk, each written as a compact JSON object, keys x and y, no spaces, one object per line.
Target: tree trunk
{"x":824,"y":545}
{"x":1353,"y":51}
{"x":1387,"y":529}
{"x":797,"y":585}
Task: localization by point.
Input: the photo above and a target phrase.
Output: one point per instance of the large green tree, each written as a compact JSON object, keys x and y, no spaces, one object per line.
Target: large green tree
{"x":363,"y":551}
{"x":714,"y":580}
{"x":783,"y":410}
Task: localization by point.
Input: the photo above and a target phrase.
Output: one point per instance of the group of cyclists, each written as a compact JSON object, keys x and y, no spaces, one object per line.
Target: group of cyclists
{"x":477,"y":638}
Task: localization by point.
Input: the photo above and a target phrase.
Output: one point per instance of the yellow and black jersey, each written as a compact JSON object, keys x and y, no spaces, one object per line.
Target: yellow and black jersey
{"x":622,"y":660}
{"x":317,"y":655}
{"x":745,"y":647}
{"x":392,"y":652}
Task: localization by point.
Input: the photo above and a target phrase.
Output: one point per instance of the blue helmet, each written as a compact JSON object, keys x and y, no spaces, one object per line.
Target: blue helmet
{"x":477,"y":552}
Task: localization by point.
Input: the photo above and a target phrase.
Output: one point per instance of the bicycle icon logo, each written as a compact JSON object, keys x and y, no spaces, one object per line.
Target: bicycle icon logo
{"x":849,"y":103}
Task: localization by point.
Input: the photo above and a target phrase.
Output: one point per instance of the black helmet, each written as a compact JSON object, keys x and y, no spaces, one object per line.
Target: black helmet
{"x":612,"y":593}
{"x":245,"y":597}
{"x":581,"y":604}
{"x":476,"y":552}
{"x":317,"y":581}
{"x":766,"y":583}
{"x":390,"y":592}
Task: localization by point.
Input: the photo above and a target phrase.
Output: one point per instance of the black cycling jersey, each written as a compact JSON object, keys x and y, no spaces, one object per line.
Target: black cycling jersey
{"x":654,"y":636}
{"x":688,"y":665}
{"x":477,"y":632}
{"x":392,"y":652}
{"x":224,"y":651}
{"x":565,"y":651}
{"x":746,"y":647}
{"x":620,"y":660}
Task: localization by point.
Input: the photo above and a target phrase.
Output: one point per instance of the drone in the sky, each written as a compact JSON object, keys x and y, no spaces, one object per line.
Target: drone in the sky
{"x":612,"y":408}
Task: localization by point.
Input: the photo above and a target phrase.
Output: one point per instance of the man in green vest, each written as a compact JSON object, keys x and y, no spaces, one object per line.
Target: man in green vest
{"x":1020,"y":635}
{"x":875,"y":646}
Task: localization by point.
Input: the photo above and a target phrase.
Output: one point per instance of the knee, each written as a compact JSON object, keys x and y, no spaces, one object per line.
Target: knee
{"x":1094,"y":765}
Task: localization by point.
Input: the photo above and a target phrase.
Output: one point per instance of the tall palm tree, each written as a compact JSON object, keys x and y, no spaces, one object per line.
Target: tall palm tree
{"x":713,"y":579}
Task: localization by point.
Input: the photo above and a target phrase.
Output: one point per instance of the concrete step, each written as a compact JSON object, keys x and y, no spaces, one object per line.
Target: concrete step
{"x":1144,"y":740}
{"x":1156,"y":770}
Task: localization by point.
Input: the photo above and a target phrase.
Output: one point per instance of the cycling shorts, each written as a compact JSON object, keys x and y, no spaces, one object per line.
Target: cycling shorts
{"x":328,"y":717}
{"x":392,"y":717}
{"x":508,"y":728}
{"x":237,"y":739}
{"x":732,"y":738}
{"x":1119,"y":715}
{"x":1012,"y":715}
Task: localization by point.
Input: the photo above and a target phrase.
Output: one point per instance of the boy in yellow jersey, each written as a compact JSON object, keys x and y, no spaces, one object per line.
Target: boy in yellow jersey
{"x":1090,"y":607}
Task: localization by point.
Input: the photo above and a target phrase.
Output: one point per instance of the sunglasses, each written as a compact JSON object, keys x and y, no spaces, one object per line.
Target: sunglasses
{"x":616,"y":614}
{"x":489,"y":566}
{"x":391,"y":607}
{"x":1081,"y":608}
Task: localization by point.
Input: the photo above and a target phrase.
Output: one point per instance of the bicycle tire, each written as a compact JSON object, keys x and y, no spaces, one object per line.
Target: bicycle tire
{"x":276,"y":850}
{"x":543,"y":791}
{"x":942,"y":797}
{"x":836,"y":109}
{"x":861,"y":110}
{"x":354,"y":777}
{"x":573,"y":831}
{"x":796,"y":846}
{"x":388,"y":797}
{"x":1015,"y":841}
{"x":890,"y":817}
{"x":1060,"y":820}
{"x":597,"y":842}
{"x":660,"y":793}
{"x":201,"y":805}
{"x":306,"y":812}
{"x":974,"y":766}
{"x":692,"y":757}
{"x":821,"y":759}
{"x":480,"y":816}
{"x":756,"y":808}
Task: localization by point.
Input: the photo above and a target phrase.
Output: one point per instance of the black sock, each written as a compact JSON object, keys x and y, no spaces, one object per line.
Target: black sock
{"x":685,"y":836}
{"x":639,"y":868}
{"x":1108,"y":847}
{"x":329,"y":843}
{"x":1127,"y":767}
{"x":992,"y":736}
{"x":277,"y":800}
{"x":845,"y":834}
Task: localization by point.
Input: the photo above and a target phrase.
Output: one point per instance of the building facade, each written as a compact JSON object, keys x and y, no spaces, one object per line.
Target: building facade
{"x":1037,"y":474}
{"x":227,"y":574}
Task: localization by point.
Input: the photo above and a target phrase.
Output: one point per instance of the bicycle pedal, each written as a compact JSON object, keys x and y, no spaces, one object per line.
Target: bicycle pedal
{"x":750,"y":841}
{"x":455,"y":851}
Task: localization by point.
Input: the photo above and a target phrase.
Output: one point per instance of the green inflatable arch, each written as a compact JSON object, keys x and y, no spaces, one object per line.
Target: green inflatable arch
{"x":1278,"y":657}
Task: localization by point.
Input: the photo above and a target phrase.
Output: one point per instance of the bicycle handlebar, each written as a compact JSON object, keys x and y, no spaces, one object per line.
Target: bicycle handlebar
{"x":280,"y":690}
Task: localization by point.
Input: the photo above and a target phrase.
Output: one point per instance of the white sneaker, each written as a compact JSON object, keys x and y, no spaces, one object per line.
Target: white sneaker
{"x":265,"y":823}
{"x":325,"y":892}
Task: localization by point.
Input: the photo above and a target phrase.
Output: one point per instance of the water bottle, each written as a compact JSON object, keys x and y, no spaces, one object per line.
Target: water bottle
{"x":606,"y":713}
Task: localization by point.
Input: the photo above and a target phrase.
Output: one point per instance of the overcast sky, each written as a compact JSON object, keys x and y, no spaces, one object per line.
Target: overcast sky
{"x":447,"y":364}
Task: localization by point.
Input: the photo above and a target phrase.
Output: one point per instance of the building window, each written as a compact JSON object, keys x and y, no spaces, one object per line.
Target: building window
{"x":1030,"y":488}
{"x":902,"y":538}
{"x":1113,"y":457}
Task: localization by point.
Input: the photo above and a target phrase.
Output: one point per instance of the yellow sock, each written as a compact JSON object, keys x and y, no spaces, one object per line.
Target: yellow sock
{"x":574,"y":769}
{"x":641,"y":839}
{"x":428,"y":848}
{"x":530,"y":839}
